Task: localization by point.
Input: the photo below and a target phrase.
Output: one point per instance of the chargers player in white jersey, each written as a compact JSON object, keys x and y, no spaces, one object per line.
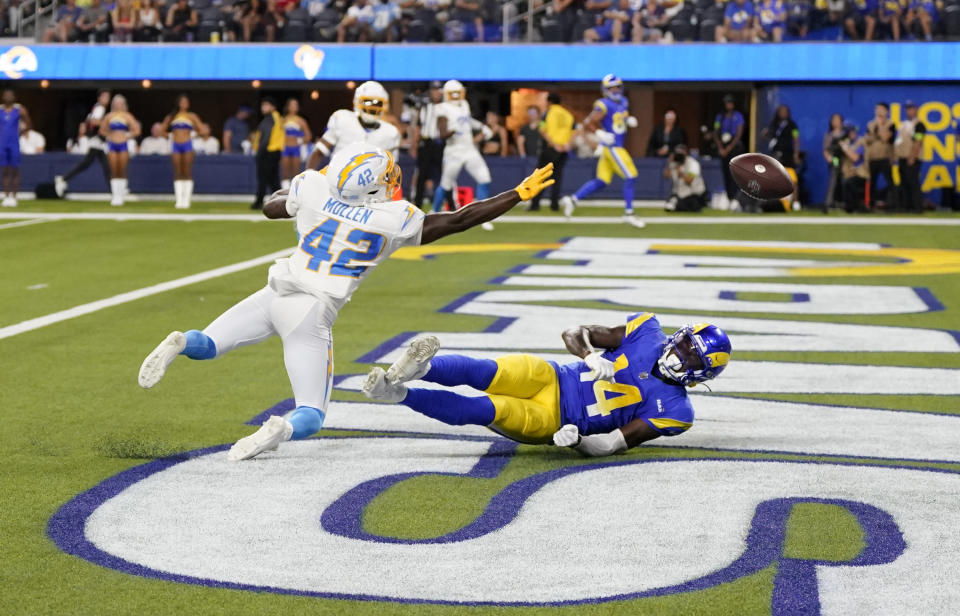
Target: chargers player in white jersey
{"x":364,"y":124}
{"x":347,"y":225}
{"x":456,"y":126}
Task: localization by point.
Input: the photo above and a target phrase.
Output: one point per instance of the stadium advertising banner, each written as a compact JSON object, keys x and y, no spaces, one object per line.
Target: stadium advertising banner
{"x":811,"y":106}
{"x":186,"y":62}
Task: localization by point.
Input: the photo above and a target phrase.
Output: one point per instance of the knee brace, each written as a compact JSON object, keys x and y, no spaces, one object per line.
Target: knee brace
{"x":199,"y":346}
{"x":306,"y":421}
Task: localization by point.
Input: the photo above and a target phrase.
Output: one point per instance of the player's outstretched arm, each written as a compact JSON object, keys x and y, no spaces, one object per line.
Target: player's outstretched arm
{"x":630,"y":435}
{"x":276,"y":205}
{"x":581,"y":341}
{"x":436,"y":226}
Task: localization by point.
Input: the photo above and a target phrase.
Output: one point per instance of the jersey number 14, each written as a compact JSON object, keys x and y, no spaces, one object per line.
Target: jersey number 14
{"x":317,"y":245}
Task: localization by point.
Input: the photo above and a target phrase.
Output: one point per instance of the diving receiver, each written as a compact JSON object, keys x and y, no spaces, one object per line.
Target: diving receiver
{"x":364,"y":124}
{"x":347,"y":225}
{"x":612,"y":400}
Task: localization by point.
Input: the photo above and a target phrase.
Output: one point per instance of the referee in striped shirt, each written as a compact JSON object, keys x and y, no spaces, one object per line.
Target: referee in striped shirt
{"x":427,"y":144}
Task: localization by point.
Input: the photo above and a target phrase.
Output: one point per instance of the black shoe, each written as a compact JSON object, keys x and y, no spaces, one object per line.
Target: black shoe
{"x":256,"y":206}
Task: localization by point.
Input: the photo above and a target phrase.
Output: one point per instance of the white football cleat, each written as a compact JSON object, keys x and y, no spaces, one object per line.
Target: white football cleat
{"x":376,"y":387}
{"x":630,"y":219}
{"x":9,"y":202}
{"x":116,"y":201}
{"x":59,"y":185}
{"x":274,"y":431}
{"x":155,"y":365}
{"x":415,"y":361}
{"x":487,"y":226}
{"x":568,"y":205}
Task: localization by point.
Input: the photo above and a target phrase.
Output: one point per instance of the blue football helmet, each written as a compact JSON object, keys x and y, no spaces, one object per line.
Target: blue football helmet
{"x":609,"y":82}
{"x":694,"y":354}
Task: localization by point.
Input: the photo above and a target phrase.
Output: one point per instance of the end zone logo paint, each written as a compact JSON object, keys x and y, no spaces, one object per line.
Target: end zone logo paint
{"x":18,"y":60}
{"x":309,"y":59}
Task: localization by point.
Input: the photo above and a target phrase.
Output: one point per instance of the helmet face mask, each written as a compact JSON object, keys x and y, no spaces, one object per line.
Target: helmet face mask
{"x":361,"y":175}
{"x":370,"y":101}
{"x":454,"y":92}
{"x":694,"y":354}
{"x":612,"y":87}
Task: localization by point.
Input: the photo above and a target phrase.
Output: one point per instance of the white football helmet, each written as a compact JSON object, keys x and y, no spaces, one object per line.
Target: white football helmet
{"x":360,"y":174}
{"x":454,"y":92}
{"x":370,"y":101}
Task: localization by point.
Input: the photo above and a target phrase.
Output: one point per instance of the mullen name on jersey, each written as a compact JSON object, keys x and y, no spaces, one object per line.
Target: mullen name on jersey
{"x":347,"y":212}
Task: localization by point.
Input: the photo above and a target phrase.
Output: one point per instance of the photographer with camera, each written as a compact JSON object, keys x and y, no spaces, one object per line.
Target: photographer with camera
{"x":689,"y":192}
{"x":853,"y":169}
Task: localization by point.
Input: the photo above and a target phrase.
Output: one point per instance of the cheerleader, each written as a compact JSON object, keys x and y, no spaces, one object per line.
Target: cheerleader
{"x":180,"y":124}
{"x":117,"y":127}
{"x":295,"y":132}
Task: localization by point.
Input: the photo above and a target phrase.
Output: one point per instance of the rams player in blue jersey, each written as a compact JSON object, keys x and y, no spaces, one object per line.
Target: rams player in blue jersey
{"x":609,"y":121}
{"x":631,"y":392}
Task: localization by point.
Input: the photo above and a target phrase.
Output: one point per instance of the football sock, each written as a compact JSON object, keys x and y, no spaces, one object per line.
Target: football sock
{"x":589,"y":188}
{"x":453,"y":370}
{"x":306,"y":421}
{"x":199,"y":346}
{"x":178,"y":192}
{"x":116,"y":187}
{"x":483,"y":191}
{"x":438,"y":195}
{"x":451,"y":408}
{"x":187,"y":192}
{"x":628,"y":193}
{"x":284,"y":184}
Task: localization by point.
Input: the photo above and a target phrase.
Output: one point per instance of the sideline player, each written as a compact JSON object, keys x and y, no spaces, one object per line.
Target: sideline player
{"x":347,"y":225}
{"x":364,"y":124}
{"x":455,"y":125}
{"x":609,"y":120}
{"x":612,"y":400}
{"x":12,"y":114}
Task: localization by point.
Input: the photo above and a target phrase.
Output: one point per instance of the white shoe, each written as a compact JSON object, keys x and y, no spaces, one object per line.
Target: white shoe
{"x":487,"y":226}
{"x":376,"y":387}
{"x":630,"y":219}
{"x":182,"y":206}
{"x":156,"y":363}
{"x":415,"y":361}
{"x":59,"y":185}
{"x":116,"y":201}
{"x":274,"y":431}
{"x":9,"y":202}
{"x":568,"y":205}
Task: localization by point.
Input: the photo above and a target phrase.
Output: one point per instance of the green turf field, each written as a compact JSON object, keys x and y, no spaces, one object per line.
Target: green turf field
{"x":73,"y":416}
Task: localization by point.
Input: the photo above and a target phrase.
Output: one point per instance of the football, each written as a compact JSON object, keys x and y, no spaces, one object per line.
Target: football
{"x":761,"y":176}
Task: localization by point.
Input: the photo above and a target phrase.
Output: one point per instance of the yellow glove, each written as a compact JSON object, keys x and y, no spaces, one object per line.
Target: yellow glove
{"x":535,"y":182}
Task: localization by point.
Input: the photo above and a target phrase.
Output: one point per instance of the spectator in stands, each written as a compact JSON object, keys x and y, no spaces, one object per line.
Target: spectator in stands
{"x":688,"y":192}
{"x":648,"y":22}
{"x":667,"y":136}
{"x":181,"y":22}
{"x":907,"y":147}
{"x":94,"y":22}
{"x":529,"y":139}
{"x":798,"y":18}
{"x":924,"y":13}
{"x":833,"y":154}
{"x":615,"y":22}
{"x":861,"y":19}
{"x":737,"y":22}
{"x":567,"y":12}
{"x":147,"y":27}
{"x":728,"y":136}
{"x":495,"y":141}
{"x":771,"y":21}
{"x":156,"y":143}
{"x":63,"y":27}
{"x":889,"y":15}
{"x":271,"y":22}
{"x":204,"y":142}
{"x":853,"y":170}
{"x":468,"y":12}
{"x":557,"y":133}
{"x":236,"y":130}
{"x":124,"y":20}
{"x":386,"y":21}
{"x":31,"y":141}
{"x":356,"y":23}
{"x":881,"y":132}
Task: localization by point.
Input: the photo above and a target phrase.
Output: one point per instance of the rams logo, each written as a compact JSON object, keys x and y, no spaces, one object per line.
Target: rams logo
{"x":18,"y":60}
{"x":309,"y":60}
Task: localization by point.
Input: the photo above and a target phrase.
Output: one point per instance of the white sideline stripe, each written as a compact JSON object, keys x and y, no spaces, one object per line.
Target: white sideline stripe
{"x":24,"y":223}
{"x":531,"y":220}
{"x":129,"y":296}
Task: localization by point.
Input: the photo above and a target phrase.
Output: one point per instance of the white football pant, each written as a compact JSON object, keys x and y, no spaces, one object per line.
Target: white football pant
{"x":455,"y":159}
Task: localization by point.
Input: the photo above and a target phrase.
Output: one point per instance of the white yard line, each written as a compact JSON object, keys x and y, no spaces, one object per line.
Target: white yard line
{"x":24,"y":223}
{"x":123,"y":298}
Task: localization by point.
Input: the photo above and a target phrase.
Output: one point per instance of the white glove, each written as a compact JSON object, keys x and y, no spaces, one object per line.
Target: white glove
{"x":605,"y":138}
{"x":600,"y":369}
{"x":567,"y":436}
{"x":632,"y":122}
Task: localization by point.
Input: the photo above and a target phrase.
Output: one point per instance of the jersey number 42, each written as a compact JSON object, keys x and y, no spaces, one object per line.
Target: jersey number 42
{"x":317,"y":245}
